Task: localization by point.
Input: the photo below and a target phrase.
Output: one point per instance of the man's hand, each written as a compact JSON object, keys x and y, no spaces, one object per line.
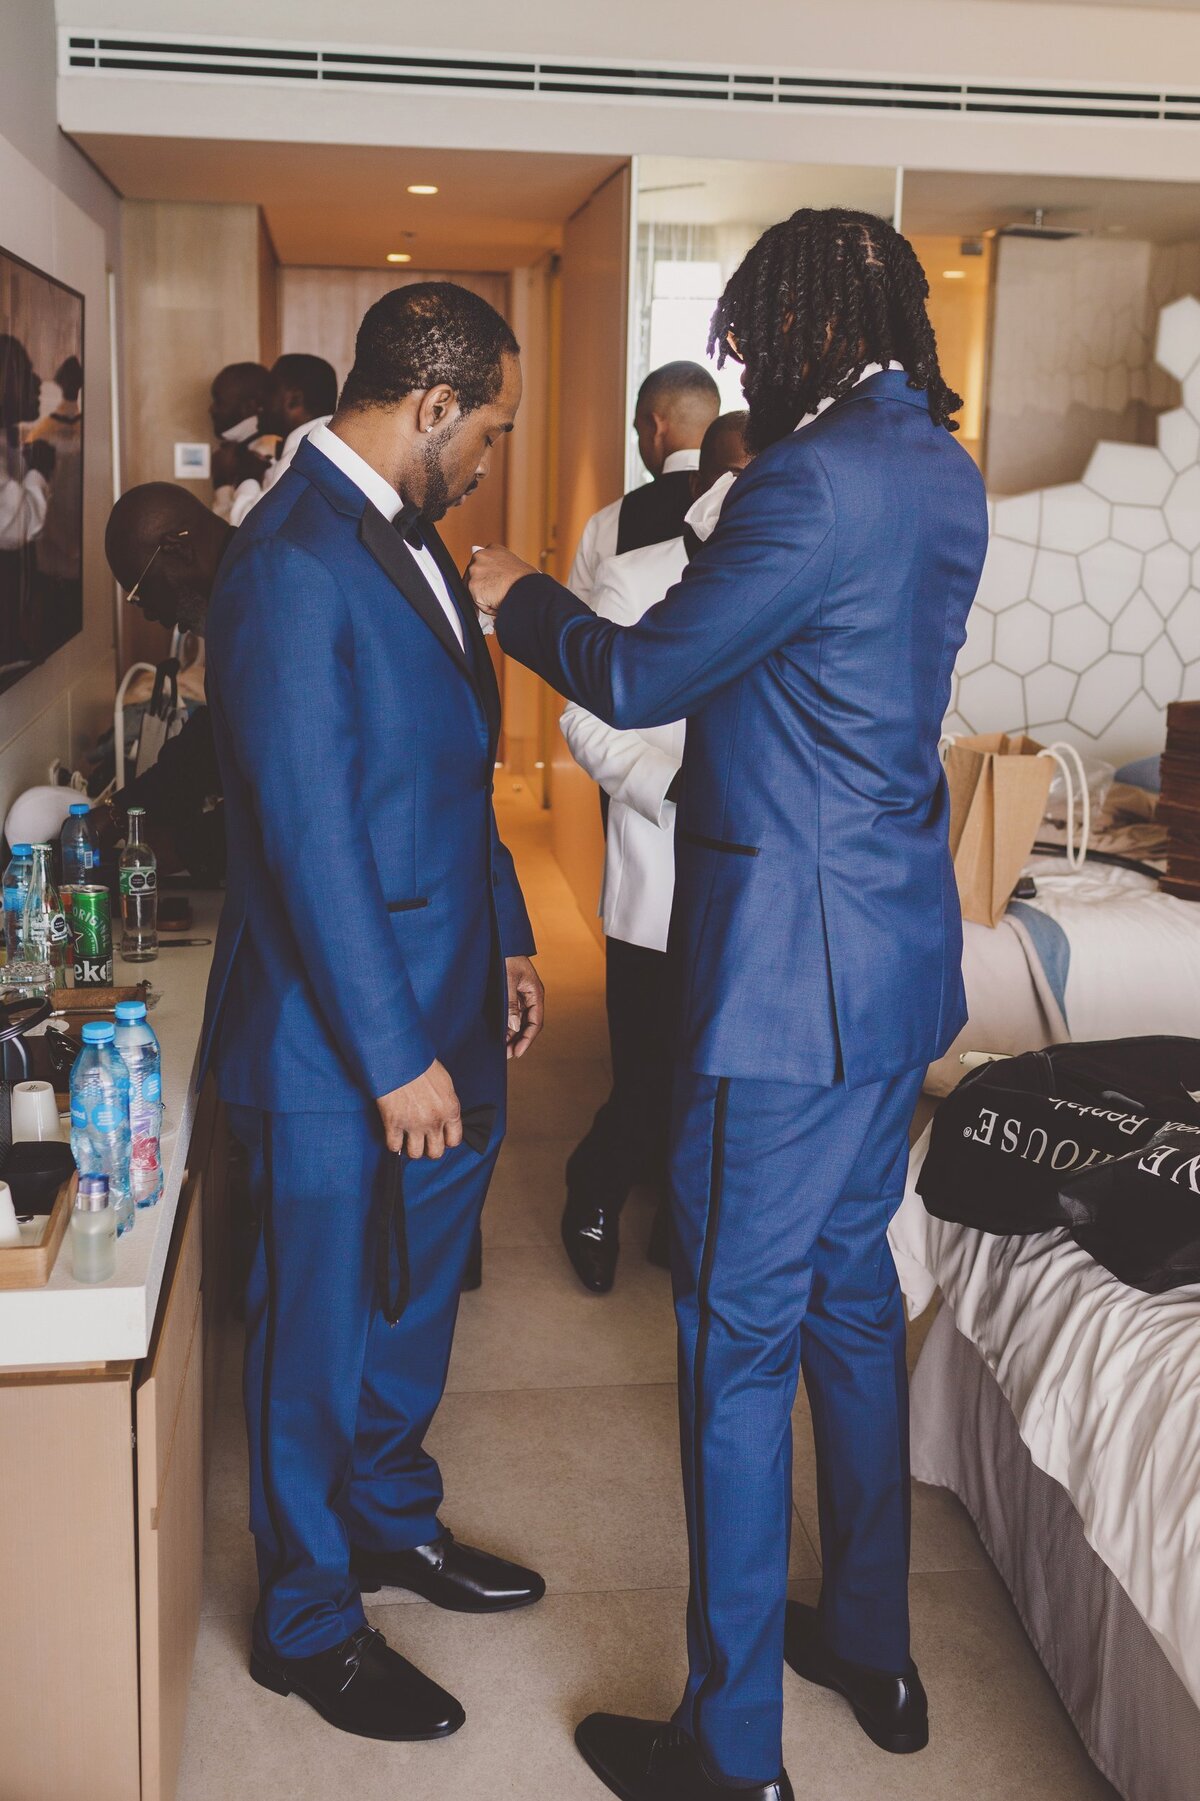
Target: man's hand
{"x":491,"y":573}
{"x":424,"y":1116}
{"x":526,"y":1000}
{"x":234,"y":463}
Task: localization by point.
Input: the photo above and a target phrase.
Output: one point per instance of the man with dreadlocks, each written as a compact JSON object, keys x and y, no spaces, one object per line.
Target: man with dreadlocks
{"x":809,"y":645}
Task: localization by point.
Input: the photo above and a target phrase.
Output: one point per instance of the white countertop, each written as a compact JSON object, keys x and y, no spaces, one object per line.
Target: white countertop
{"x":74,"y":1322}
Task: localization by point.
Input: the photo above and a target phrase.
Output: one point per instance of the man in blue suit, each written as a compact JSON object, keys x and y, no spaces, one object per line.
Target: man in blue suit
{"x":372,"y":967}
{"x":809,"y":645}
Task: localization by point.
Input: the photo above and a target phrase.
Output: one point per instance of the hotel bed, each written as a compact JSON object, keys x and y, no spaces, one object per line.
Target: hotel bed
{"x":1064,"y":1410}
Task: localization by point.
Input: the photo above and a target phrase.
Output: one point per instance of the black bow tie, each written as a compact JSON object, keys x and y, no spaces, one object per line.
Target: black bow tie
{"x":408,"y":523}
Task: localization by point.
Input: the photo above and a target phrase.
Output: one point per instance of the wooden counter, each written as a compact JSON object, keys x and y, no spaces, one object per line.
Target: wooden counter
{"x":104,"y":1396}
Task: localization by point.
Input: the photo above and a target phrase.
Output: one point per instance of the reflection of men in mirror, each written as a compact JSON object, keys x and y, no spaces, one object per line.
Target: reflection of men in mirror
{"x":244,"y":452}
{"x":58,"y":592}
{"x":24,"y":498}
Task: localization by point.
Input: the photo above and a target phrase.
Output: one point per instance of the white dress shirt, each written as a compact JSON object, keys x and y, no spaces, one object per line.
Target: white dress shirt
{"x":23,"y":506}
{"x":249,"y":493}
{"x":635,"y":768}
{"x":599,"y":538}
{"x":385,"y":499}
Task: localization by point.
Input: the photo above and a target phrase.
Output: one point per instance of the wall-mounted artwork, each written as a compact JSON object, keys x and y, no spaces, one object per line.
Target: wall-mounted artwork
{"x":41,"y":466}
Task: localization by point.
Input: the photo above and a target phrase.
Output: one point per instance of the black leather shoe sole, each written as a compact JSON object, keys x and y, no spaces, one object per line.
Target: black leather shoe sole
{"x":901,"y":1744}
{"x":271,"y":1676}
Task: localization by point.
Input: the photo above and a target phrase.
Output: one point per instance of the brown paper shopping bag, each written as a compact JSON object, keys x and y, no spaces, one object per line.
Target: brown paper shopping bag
{"x":999,"y":786}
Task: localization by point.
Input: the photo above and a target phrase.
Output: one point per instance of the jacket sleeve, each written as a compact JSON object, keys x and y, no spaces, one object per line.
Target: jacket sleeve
{"x":512,"y":917}
{"x":758,"y":582}
{"x":621,"y":762}
{"x":280,"y":652}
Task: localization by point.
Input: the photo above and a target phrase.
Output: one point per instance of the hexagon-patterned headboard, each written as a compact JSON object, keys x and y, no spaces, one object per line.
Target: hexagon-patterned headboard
{"x":1088,"y":616}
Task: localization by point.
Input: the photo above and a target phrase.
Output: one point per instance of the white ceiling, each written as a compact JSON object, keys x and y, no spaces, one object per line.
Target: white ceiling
{"x":680,"y":190}
{"x":966,"y":204}
{"x":344,"y":205}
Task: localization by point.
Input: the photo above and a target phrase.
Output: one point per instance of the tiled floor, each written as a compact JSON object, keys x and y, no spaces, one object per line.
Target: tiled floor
{"x":558,"y":1440}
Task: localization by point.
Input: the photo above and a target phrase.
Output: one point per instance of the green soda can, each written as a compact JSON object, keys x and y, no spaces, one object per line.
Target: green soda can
{"x":91,"y":925}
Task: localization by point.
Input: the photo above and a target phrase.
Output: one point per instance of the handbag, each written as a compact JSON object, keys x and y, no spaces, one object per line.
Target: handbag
{"x":999,"y":785}
{"x":164,"y":716}
{"x":1013,"y":1146}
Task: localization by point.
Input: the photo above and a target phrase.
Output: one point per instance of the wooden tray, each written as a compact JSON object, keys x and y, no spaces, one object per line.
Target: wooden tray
{"x":29,"y":1265}
{"x":97,"y":1000}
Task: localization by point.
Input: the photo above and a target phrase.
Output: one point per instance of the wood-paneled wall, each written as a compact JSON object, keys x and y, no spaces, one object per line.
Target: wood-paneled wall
{"x":198,"y":293}
{"x":320,"y":311}
{"x":591,"y":467}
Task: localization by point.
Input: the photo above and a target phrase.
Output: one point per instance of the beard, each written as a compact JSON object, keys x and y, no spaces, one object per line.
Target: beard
{"x":191,"y":608}
{"x":437,"y":490}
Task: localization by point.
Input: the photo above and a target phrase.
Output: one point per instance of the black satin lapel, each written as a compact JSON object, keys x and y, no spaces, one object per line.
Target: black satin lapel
{"x":485,"y":673}
{"x":389,"y":552}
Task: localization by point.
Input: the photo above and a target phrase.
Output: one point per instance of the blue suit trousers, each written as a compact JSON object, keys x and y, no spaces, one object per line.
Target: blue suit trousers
{"x":781,"y":1198}
{"x":338,"y":1401}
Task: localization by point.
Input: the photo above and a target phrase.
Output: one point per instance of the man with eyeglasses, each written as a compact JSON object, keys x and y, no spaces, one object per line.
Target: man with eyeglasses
{"x":164,"y":547}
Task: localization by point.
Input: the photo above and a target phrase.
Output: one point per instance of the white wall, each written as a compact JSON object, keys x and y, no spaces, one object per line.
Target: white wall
{"x":58,"y":214}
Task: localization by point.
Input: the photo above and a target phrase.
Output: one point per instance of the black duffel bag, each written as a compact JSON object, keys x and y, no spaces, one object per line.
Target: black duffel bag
{"x":1013,"y":1132}
{"x":1140,"y":1215}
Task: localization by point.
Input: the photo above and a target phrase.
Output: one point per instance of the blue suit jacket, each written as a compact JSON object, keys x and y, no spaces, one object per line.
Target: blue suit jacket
{"x":370,"y":900}
{"x":810,"y":646}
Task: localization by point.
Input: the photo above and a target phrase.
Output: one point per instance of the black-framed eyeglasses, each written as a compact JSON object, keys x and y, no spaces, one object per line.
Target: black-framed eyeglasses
{"x":132,"y":593}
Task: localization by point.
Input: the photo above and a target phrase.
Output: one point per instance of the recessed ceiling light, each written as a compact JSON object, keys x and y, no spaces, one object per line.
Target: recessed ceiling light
{"x":422,"y":187}
{"x":398,"y":256}
{"x":954,"y":275}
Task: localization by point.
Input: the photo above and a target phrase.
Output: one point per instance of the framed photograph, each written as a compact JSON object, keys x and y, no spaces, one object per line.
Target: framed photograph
{"x":41,"y":466}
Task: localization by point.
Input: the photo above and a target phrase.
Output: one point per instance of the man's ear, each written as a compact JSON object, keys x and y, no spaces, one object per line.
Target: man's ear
{"x":179,"y":546}
{"x":696,"y":485}
{"x":436,"y":407}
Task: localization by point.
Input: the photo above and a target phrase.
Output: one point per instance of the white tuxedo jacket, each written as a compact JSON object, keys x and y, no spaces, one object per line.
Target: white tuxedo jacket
{"x":635,"y":769}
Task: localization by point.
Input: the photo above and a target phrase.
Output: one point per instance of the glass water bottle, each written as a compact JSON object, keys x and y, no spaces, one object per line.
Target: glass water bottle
{"x":44,"y":934}
{"x":138,"y":872}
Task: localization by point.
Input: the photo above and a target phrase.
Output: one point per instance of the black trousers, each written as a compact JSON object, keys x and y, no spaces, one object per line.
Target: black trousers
{"x":627,"y":1142}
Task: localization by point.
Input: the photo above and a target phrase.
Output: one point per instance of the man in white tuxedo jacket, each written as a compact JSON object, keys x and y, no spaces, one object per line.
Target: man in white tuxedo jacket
{"x":637,"y":770}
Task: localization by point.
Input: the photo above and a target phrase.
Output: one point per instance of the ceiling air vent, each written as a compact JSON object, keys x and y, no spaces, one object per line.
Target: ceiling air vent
{"x":192,"y":58}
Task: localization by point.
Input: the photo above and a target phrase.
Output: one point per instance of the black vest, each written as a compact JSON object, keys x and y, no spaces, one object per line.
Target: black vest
{"x":654,"y":513}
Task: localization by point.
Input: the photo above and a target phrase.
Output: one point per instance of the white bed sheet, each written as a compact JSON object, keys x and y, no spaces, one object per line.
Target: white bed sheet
{"x":1104,"y":1384}
{"x":1135,"y":952}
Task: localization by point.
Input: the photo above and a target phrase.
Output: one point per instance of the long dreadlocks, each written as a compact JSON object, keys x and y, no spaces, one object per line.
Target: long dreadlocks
{"x":818,"y":298}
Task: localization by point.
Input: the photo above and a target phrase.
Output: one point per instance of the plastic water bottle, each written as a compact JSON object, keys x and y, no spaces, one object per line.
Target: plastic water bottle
{"x":45,"y":937}
{"x":100,"y":1116}
{"x":138,"y":870}
{"x":138,"y":1046}
{"x":16,"y":881}
{"x":80,"y":853}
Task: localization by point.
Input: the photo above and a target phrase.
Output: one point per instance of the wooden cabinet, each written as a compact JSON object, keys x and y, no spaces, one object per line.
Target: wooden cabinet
{"x":102,"y":1509}
{"x":169,"y":1410}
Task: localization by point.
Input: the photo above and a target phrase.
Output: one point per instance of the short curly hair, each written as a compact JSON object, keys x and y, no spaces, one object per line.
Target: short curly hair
{"x":423,"y":334}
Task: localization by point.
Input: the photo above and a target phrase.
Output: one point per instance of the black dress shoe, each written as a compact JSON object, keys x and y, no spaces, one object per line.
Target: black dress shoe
{"x":892,"y":1710}
{"x":592,"y":1238}
{"x":364,"y":1687}
{"x":648,"y":1760}
{"x":456,"y":1577}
